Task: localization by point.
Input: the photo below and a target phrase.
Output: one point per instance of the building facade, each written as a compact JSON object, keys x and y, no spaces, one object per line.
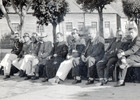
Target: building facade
{"x":75,"y":18}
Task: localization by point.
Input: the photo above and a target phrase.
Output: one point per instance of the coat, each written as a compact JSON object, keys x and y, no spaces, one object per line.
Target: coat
{"x":134,"y":51}
{"x":95,"y":48}
{"x":34,"y":48}
{"x":112,"y":49}
{"x":44,"y":52}
{"x":52,"y":65}
{"x":25,"y":50}
{"x":16,"y":49}
{"x":78,"y":47}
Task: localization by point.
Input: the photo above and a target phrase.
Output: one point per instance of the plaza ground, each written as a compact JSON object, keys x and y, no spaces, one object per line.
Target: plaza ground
{"x":18,"y":89}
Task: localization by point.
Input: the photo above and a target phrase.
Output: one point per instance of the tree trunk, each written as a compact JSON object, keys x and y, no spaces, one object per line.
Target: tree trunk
{"x":54,"y":32}
{"x":100,"y":11}
{"x":139,"y":26}
{"x":21,"y":25}
{"x":7,"y":18}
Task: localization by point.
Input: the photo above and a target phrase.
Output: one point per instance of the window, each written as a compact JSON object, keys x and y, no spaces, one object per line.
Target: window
{"x":68,"y":26}
{"x":80,"y":25}
{"x":40,"y":28}
{"x":107,"y":30}
{"x":107,"y":24}
{"x":15,"y":26}
{"x":94,"y":25}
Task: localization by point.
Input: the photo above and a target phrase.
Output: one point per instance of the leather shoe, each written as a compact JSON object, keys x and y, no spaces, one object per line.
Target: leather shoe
{"x":6,"y":77}
{"x":22,"y":73}
{"x":45,"y":80}
{"x":100,"y":84}
{"x":119,"y":84}
{"x":27,"y":78}
{"x":89,"y":82}
{"x":76,"y":81}
{"x":34,"y":78}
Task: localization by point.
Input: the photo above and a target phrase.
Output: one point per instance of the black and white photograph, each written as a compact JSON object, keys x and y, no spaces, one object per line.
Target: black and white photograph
{"x":69,"y":49}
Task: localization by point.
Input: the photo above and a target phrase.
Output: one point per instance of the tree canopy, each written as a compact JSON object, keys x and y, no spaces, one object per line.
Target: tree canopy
{"x":132,"y":8}
{"x":50,"y":11}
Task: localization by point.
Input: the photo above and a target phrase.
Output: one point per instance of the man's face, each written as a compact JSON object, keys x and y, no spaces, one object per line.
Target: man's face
{"x":119,"y":35}
{"x":26,"y":39}
{"x":34,"y":34}
{"x":75,"y":36}
{"x":92,"y":34}
{"x":59,"y":38}
{"x":132,"y":33}
{"x":33,"y":39}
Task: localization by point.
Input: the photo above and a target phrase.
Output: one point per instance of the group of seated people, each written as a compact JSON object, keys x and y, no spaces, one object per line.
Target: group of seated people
{"x":36,"y":57}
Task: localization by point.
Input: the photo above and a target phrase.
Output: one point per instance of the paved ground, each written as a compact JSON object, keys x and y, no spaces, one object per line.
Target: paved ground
{"x":18,"y":89}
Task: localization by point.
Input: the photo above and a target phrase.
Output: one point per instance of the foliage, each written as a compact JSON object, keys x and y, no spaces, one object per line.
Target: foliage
{"x":132,"y":8}
{"x":20,"y":7}
{"x":50,"y":11}
{"x":93,"y":4}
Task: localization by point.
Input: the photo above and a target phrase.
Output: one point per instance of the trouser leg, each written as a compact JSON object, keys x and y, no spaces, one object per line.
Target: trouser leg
{"x":77,"y":65}
{"x":64,"y":69}
{"x":26,"y":63}
{"x":101,"y":65}
{"x":31,"y":62}
{"x":6,"y":63}
{"x":111,"y":61}
{"x":91,"y":67}
{"x":123,"y":72}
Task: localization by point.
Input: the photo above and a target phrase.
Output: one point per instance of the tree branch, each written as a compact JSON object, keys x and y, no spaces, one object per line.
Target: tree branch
{"x":14,"y":7}
{"x":29,"y":5}
{"x":6,"y":15}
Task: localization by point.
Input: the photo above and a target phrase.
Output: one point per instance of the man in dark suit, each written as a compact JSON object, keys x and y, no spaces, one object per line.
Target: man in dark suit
{"x":129,"y":57}
{"x":93,"y":52}
{"x":109,"y":58}
{"x":58,"y":55}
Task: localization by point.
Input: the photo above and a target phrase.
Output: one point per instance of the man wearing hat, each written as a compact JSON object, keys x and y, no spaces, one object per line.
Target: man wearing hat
{"x":43,"y":54}
{"x":9,"y":57}
{"x":129,"y":57}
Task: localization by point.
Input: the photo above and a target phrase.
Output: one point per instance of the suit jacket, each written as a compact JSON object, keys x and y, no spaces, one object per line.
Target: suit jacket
{"x":45,"y":49}
{"x":61,"y":49}
{"x":78,"y":47}
{"x":16,"y":49}
{"x":34,"y":48}
{"x":113,"y":48}
{"x":135,"y":49}
{"x":95,"y":48}
{"x":25,"y":50}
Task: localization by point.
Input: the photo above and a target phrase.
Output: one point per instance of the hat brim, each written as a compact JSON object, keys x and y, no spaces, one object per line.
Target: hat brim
{"x":43,"y":36}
